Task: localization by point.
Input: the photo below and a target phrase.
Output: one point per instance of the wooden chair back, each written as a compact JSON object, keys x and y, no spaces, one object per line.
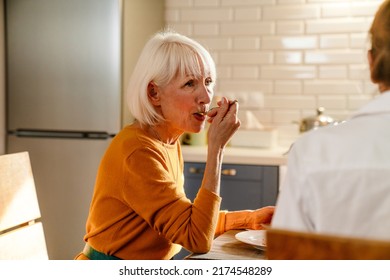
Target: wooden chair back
{"x":292,"y":245}
{"x":21,"y":232}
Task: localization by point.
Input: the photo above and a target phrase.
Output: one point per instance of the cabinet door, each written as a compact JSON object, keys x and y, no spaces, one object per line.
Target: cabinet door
{"x":240,"y":195}
{"x":193,"y":175}
{"x":242,"y":186}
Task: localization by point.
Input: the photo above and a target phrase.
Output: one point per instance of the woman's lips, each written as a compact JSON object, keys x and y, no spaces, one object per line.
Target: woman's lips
{"x":200,"y":116}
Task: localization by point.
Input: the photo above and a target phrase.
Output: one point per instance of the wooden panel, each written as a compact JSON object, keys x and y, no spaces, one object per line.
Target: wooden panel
{"x":25,"y":243}
{"x":18,"y":198}
{"x":290,"y":245}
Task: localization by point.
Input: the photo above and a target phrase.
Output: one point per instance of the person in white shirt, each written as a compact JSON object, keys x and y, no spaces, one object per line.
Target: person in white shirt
{"x":338,"y":177}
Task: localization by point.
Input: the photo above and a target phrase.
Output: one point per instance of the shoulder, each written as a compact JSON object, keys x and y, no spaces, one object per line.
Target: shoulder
{"x":132,"y":140}
{"x":318,"y":145}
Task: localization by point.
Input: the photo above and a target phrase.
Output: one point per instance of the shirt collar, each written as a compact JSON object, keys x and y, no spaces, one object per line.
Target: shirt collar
{"x":379,"y":105}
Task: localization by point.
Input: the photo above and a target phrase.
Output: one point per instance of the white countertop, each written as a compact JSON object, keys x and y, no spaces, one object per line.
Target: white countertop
{"x":236,"y":155}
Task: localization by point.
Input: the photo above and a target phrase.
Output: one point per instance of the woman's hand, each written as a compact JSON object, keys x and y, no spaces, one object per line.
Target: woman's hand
{"x":261,"y":218}
{"x":249,"y":219}
{"x":223,"y":122}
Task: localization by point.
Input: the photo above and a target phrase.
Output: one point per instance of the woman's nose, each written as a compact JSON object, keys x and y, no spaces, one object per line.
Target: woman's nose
{"x":205,"y":95}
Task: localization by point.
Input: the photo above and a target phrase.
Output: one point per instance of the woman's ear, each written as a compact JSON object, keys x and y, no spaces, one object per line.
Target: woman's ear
{"x":153,"y":94}
{"x":370,"y":58}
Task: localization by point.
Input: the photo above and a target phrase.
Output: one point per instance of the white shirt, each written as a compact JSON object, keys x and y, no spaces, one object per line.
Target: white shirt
{"x":338,"y":177}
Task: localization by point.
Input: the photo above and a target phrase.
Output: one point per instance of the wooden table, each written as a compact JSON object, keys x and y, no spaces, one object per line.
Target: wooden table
{"x":227,"y":247}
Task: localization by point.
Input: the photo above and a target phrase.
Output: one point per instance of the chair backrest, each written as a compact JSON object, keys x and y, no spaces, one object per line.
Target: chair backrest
{"x":292,"y":245}
{"x":21,"y":232}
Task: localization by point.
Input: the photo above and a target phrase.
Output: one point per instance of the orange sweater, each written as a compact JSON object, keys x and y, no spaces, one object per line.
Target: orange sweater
{"x":139,"y":209}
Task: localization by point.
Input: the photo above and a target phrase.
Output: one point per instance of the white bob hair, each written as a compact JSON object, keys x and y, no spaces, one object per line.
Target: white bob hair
{"x":165,"y":56}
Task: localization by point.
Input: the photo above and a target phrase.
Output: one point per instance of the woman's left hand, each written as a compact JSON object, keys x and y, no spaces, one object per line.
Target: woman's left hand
{"x":261,"y":218}
{"x":249,"y":219}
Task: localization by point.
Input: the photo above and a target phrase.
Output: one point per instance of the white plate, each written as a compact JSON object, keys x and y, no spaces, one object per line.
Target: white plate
{"x":256,"y":238}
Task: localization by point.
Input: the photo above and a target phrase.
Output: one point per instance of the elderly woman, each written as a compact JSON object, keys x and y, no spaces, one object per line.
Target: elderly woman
{"x":338,"y":177}
{"x":139,"y":208}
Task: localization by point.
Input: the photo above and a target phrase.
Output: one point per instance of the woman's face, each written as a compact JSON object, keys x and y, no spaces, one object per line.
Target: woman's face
{"x":183,"y":101}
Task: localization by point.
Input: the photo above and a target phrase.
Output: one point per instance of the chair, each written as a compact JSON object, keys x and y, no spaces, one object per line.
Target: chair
{"x":292,"y":245}
{"x":21,"y":232}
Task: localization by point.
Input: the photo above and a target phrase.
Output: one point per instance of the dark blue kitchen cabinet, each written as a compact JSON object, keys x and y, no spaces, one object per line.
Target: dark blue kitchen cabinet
{"x":242,"y":186}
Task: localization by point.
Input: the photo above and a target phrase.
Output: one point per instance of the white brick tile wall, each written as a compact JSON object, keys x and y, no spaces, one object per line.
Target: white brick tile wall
{"x":291,"y":1}
{"x":251,"y":72}
{"x":332,"y":101}
{"x":288,"y":72}
{"x":246,"y":43}
{"x":342,"y":9}
{"x":354,"y":9}
{"x":246,"y":57}
{"x":172,"y":15}
{"x":265,"y":115}
{"x":183,"y":28}
{"x":326,"y":87}
{"x":289,"y":42}
{"x":216,"y":43}
{"x":325,"y":1}
{"x":241,"y":29}
{"x":283,"y":12}
{"x":229,"y":85}
{"x":290,"y":27}
{"x":364,"y":8}
{"x":360,"y":71}
{"x":206,"y":29}
{"x":288,"y":57}
{"x":290,"y":102}
{"x":359,"y":41}
{"x":300,"y":54}
{"x":247,"y":14}
{"x":223,"y":73}
{"x":286,"y":116}
{"x":178,"y":3}
{"x":339,"y":41}
{"x":293,"y":87}
{"x":333,"y":72}
{"x":206,"y":3}
{"x":335,"y":57}
{"x":337,"y":26}
{"x":206,"y":14}
{"x":244,"y":3}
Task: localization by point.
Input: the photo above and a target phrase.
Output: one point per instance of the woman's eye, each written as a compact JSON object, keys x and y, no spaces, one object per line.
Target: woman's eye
{"x":190,"y":83}
{"x":208,"y":81}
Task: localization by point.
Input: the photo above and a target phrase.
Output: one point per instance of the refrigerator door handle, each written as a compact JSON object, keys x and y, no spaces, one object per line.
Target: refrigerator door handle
{"x":69,"y":134}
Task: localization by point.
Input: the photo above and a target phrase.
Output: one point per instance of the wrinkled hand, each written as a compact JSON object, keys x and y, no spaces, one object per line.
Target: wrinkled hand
{"x":223,"y":122}
{"x":261,"y":218}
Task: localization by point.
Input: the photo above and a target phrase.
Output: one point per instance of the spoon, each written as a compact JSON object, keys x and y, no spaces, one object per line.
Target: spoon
{"x":206,"y":112}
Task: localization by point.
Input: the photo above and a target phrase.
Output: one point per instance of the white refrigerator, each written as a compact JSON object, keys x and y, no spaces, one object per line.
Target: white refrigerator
{"x":63,"y":104}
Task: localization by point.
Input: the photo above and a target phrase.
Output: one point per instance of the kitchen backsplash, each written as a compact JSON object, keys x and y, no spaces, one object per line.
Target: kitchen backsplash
{"x":287,"y":56}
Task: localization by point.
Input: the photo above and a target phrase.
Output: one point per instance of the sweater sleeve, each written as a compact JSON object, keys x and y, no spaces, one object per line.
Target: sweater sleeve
{"x":221,"y":223}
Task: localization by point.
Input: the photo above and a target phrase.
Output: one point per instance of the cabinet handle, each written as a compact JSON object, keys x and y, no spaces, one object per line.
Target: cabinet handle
{"x":194,"y":170}
{"x":229,"y":172}
{"x":226,"y":172}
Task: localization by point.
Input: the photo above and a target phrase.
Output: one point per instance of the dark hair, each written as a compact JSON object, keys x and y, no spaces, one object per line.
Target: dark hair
{"x":380,"y":45}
